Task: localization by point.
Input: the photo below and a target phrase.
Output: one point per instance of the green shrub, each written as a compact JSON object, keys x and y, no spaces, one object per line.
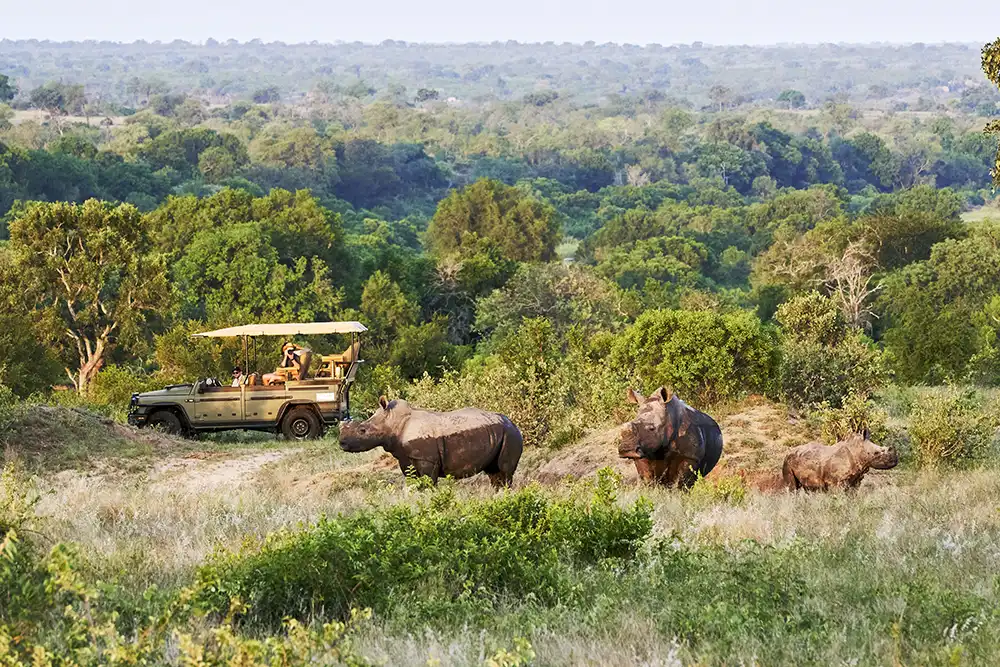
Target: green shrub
{"x":442,"y":559}
{"x":856,"y":414}
{"x":729,"y":489}
{"x":72,"y":623}
{"x":822,"y":359}
{"x":10,"y":409}
{"x":707,"y":356}
{"x":21,"y":580}
{"x":951,"y":429}
{"x":553,"y":387}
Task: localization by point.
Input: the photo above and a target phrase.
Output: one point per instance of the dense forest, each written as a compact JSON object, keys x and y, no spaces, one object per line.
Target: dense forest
{"x":749,"y":236}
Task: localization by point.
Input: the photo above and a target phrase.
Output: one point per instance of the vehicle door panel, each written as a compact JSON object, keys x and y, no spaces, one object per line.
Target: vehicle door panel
{"x":218,"y":405}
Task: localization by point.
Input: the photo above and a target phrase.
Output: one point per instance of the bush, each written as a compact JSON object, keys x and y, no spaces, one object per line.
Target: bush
{"x":951,"y":429}
{"x":72,"y":623}
{"x":110,"y":391}
{"x":729,"y":489}
{"x":442,"y":559}
{"x":823,"y":360}
{"x":21,"y":589}
{"x":857,"y":414}
{"x":10,"y":410}
{"x":708,"y":356}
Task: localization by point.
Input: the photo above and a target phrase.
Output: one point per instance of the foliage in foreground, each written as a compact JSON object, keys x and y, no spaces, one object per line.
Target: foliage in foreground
{"x":441,"y":560}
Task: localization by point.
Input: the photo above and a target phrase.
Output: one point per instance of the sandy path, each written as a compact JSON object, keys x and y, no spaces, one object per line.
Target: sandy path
{"x":201,"y":472}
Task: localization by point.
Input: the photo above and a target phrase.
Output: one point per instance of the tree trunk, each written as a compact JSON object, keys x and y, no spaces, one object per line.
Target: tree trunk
{"x":91,"y":362}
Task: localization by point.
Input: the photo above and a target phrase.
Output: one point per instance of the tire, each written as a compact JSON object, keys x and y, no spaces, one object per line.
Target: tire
{"x":166,"y":421}
{"x":301,"y":423}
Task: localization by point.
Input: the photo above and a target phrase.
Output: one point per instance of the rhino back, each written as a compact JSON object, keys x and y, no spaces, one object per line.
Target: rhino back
{"x":820,"y":466}
{"x":463,"y":442}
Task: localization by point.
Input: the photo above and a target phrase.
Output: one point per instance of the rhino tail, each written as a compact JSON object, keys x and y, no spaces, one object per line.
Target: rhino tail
{"x":511,"y":446}
{"x":788,"y":477}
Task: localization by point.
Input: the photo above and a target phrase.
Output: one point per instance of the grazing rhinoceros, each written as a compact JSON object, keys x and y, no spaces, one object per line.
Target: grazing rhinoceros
{"x":459,"y":443}
{"x":819,"y":467}
{"x":670,"y":441}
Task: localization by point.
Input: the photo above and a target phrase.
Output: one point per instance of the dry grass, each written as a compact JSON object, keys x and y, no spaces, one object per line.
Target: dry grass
{"x":156,"y":521}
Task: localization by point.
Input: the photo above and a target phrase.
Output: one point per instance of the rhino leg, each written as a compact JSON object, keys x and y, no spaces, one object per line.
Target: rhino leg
{"x":651,"y":470}
{"x":791,"y":481}
{"x":421,"y":468}
{"x":680,"y":472}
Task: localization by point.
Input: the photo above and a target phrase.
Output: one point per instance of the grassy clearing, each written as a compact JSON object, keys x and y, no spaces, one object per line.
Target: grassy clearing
{"x":902,"y":572}
{"x":982,"y":213}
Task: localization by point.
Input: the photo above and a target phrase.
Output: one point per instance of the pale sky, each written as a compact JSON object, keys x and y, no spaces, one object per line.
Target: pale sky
{"x":634,"y":21}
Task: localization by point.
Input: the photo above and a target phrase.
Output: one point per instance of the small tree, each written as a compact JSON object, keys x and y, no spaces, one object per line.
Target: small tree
{"x":7,"y":89}
{"x":705,"y":355}
{"x":824,"y":360}
{"x":88,"y":268}
{"x":427,"y":95}
{"x":849,"y":280}
{"x":792,"y":99}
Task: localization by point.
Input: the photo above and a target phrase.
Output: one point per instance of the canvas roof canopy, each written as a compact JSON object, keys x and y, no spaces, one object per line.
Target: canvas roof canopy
{"x":286,"y":329}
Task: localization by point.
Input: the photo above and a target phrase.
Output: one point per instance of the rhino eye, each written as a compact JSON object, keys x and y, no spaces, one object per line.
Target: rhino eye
{"x":650,"y":427}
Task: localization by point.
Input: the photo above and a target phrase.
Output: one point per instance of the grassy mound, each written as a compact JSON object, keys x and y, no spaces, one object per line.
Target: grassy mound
{"x":54,"y":437}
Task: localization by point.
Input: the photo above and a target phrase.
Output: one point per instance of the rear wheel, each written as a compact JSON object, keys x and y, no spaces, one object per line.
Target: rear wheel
{"x":301,"y":423}
{"x":166,"y":421}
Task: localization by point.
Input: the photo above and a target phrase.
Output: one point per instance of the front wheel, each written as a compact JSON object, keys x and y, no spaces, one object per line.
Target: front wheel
{"x":166,"y":421}
{"x":301,"y":424}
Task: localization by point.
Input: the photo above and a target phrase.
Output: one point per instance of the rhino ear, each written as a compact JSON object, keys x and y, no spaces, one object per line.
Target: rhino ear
{"x":663,"y":394}
{"x":633,"y":396}
{"x":867,"y":435}
{"x":383,"y":402}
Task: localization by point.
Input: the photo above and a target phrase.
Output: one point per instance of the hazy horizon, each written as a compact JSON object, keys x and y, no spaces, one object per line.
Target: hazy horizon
{"x":722,"y":23}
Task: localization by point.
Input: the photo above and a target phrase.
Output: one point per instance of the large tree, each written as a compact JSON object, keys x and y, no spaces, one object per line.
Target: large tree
{"x":488,"y":212}
{"x":89,"y":269}
{"x":932,"y":307}
{"x":991,"y":67}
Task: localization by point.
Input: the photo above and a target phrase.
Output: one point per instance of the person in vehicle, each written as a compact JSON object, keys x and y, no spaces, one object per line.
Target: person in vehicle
{"x":237,"y":377}
{"x":294,"y":357}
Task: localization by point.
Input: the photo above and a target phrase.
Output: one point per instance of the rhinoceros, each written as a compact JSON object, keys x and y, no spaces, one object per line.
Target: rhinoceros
{"x":459,"y":443}
{"x":818,"y":467}
{"x":669,"y":441}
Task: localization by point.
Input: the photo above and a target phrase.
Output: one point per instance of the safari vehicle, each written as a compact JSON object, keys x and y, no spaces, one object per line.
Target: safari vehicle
{"x":299,"y":409}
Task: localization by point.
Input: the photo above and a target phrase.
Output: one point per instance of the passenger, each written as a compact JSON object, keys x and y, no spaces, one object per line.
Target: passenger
{"x":238,"y":377}
{"x":300,"y":359}
{"x":294,"y":357}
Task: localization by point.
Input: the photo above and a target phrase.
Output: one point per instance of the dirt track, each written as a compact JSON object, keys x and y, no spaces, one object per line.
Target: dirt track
{"x":203,"y":471}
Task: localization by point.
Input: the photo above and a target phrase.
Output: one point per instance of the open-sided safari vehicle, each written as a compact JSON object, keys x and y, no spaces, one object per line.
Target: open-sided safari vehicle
{"x":298,"y":408}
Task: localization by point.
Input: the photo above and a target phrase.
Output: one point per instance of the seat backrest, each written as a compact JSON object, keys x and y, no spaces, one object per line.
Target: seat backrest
{"x":351,"y":353}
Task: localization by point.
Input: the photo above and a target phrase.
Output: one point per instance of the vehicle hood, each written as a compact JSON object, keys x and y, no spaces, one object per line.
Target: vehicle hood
{"x":176,"y":390}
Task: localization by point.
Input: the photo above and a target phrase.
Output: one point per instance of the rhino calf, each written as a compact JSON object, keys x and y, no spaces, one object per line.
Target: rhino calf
{"x":460,"y":443}
{"x":818,"y":467}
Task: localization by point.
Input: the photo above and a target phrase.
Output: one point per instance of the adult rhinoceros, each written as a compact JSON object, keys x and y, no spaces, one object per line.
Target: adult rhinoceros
{"x":818,"y":467}
{"x":670,"y":441}
{"x":459,"y":443}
